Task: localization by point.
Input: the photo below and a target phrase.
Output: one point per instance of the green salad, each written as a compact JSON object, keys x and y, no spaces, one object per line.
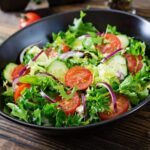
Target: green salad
{"x":83,"y":76}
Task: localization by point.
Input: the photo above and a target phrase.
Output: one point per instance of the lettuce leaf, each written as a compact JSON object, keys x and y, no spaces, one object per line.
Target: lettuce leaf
{"x":58,"y":118}
{"x":80,"y":28}
{"x":136,"y":47}
{"x":97,"y":100}
{"x":18,"y":112}
{"x":137,"y":87}
{"x":37,"y":116}
{"x":48,"y":82}
{"x":112,"y":29}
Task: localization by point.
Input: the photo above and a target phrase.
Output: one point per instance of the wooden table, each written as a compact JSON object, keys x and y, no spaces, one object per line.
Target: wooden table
{"x":131,"y":133}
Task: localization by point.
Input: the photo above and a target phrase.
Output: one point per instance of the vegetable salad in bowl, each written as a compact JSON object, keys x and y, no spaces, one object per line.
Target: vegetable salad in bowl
{"x":83,"y":76}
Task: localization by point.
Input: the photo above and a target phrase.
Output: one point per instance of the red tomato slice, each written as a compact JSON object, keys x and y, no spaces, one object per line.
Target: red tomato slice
{"x":65,"y":48}
{"x":17,"y":70}
{"x":69,"y":106}
{"x":19,"y":90}
{"x":139,"y":64}
{"x":28,"y":18}
{"x":134,"y":63}
{"x":51,"y":53}
{"x":122,"y":107}
{"x":79,"y":77}
{"x":112,"y":45}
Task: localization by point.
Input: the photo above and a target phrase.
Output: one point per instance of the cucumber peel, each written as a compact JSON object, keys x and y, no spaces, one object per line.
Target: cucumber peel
{"x":7,"y":73}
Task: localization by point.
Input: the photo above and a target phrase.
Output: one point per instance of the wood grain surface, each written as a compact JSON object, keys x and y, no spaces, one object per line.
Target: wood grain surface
{"x":132,"y":133}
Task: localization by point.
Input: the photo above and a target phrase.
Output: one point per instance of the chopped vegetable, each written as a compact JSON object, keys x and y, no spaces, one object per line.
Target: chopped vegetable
{"x":79,"y":77}
{"x":112,"y":94}
{"x":28,"y":18}
{"x":58,"y":69}
{"x":122,"y":104}
{"x":8,"y":71}
{"x":82,"y":76}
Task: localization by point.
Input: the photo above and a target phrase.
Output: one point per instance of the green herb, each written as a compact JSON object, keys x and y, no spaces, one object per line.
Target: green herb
{"x":136,"y":87}
{"x":97,"y":100}
{"x":112,"y":29}
{"x":136,"y":47}
{"x":18,"y":112}
{"x":81,"y":28}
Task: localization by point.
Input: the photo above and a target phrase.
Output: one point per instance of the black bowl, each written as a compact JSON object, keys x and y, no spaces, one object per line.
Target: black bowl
{"x":63,"y":2}
{"x":42,"y":31}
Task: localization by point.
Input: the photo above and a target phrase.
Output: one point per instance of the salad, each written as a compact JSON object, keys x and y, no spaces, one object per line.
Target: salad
{"x":81,"y":77}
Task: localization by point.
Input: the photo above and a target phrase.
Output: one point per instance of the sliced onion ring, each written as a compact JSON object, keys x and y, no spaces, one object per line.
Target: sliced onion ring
{"x":14,"y":83}
{"x":71,"y":54}
{"x":84,"y":104}
{"x":26,"y":67}
{"x":37,"y":56}
{"x":23,"y":70}
{"x":112,"y":94}
{"x":44,"y":95}
{"x":100,"y":33}
{"x":48,"y":74}
{"x":110,"y":55}
{"x":25,"y":49}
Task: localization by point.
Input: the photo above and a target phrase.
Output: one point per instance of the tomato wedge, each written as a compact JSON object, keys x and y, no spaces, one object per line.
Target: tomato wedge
{"x":17,"y":70}
{"x":69,"y":106}
{"x":79,"y":77}
{"x":28,"y":18}
{"x":51,"y":53}
{"x":112,"y":43}
{"x":19,"y":90}
{"x":65,"y":48}
{"x":134,"y":63}
{"x":122,"y":107}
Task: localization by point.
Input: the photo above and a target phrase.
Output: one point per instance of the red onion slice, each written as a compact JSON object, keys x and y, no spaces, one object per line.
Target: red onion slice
{"x":23,"y":70}
{"x":110,"y":55}
{"x":87,"y":35}
{"x":25,"y":49}
{"x":100,"y":33}
{"x":112,"y":94}
{"x":37,"y":56}
{"x":44,"y":95}
{"x":84,"y":104}
{"x":48,"y":74}
{"x":14,"y":83}
{"x":71,"y":54}
{"x":26,"y":67}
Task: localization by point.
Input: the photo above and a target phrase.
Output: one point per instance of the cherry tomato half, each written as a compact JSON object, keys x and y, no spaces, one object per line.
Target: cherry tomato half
{"x":112,"y":43}
{"x":134,"y":63}
{"x":79,"y":77}
{"x":28,"y":18}
{"x":69,"y":106}
{"x":19,"y":90}
{"x":17,"y":70}
{"x":51,"y":53}
{"x":65,"y":48}
{"x":122,"y":107}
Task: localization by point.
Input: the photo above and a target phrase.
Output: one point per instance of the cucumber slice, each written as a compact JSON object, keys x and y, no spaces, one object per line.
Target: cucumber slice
{"x":77,"y":45}
{"x":114,"y":67}
{"x":83,"y":41}
{"x":33,"y":50}
{"x":7,"y":73}
{"x":58,"y":69}
{"x":124,"y":40}
{"x":42,"y":59}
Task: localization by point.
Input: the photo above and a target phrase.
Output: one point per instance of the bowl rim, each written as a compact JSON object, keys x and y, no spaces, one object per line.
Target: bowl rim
{"x":100,"y":123}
